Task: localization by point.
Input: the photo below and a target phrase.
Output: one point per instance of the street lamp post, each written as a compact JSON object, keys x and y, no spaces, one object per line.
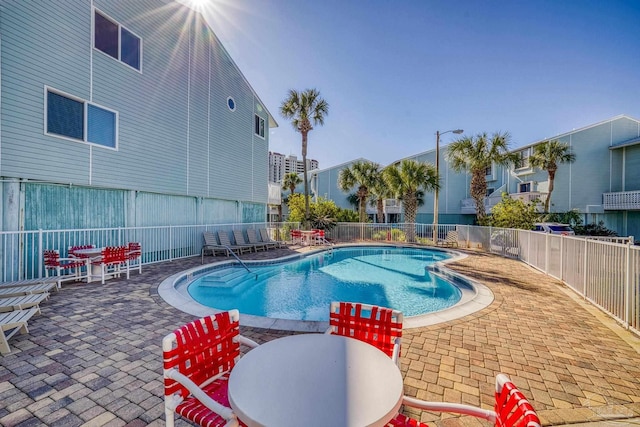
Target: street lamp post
{"x":435,"y":198}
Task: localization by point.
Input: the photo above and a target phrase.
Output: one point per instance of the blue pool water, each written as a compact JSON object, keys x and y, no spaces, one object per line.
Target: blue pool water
{"x":303,"y":289}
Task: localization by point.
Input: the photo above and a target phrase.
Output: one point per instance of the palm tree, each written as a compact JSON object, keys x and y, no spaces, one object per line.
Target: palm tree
{"x":291,"y":181}
{"x":408,"y":181}
{"x":303,"y":108}
{"x":361,"y":174}
{"x":546,"y":156}
{"x":379,"y":193}
{"x":475,"y":155}
{"x":352,"y":199}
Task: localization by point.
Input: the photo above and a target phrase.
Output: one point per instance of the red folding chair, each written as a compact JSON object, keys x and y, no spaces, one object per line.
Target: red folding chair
{"x":512,"y":409}
{"x":134,"y":256}
{"x":198,"y":358}
{"x":111,"y":261}
{"x":296,"y":236}
{"x":378,"y":326}
{"x":63,"y":269}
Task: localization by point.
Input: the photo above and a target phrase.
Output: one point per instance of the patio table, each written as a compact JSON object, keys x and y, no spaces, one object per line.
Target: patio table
{"x":315,"y":380}
{"x":308,"y":236}
{"x":94,"y":270}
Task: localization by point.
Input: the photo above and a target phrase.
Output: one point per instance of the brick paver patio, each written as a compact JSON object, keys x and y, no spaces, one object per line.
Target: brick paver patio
{"x":93,"y":357}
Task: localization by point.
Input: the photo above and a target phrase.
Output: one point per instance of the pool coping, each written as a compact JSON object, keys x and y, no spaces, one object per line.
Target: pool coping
{"x":475,"y":296}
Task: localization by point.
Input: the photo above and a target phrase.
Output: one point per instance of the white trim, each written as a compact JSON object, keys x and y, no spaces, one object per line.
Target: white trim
{"x":91,"y":38}
{"x":264,"y":122}
{"x":531,"y":188}
{"x":85,"y":123}
{"x":234,"y":103}
{"x":1,"y":104}
{"x":120,"y":26}
{"x":209,"y":117}
{"x":188,"y":105}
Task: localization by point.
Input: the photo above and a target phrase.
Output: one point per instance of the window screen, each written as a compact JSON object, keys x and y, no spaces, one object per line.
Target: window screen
{"x":101,"y":126}
{"x":65,"y":116}
{"x":106,"y":35}
{"x":130,"y":49}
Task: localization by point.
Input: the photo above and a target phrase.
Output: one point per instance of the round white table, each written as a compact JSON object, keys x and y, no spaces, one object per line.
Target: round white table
{"x":315,"y":380}
{"x":96,"y":269}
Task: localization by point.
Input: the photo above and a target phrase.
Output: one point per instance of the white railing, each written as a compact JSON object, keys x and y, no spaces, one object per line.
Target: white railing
{"x":21,"y":252}
{"x":612,"y":239}
{"x":621,"y":200}
{"x":468,"y":205}
{"x":605,"y":273}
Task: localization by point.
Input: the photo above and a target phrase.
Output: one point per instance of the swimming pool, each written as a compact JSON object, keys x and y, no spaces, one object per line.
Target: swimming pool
{"x":304,"y":289}
{"x":422,"y":273}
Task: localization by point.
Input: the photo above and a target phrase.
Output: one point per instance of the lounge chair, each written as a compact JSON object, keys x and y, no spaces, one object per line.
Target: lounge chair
{"x":211,"y":245}
{"x":253,"y":239}
{"x":450,"y":241}
{"x":22,"y":302}
{"x":223,"y":237}
{"x":264,"y":235}
{"x":11,"y":323}
{"x":238,"y":235}
{"x":26,"y":282}
{"x":16,"y":291}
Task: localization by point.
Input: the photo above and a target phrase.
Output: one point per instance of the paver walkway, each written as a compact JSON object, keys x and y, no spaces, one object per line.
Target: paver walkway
{"x":94,"y":355}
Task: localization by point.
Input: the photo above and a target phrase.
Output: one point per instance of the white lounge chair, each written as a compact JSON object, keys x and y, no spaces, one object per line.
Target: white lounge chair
{"x":26,"y":282}
{"x":11,"y":323}
{"x":22,"y":302}
{"x":16,"y":291}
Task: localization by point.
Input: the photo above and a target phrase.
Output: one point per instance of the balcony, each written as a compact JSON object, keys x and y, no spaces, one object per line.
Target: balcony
{"x":621,"y":201}
{"x":391,"y":206}
{"x":468,"y":206}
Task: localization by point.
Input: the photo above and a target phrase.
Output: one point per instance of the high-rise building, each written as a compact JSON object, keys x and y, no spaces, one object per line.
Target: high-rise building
{"x":280,"y":165}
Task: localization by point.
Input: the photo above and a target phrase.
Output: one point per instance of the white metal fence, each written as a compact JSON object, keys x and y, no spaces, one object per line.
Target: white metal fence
{"x":605,"y":273}
{"x":21,"y":252}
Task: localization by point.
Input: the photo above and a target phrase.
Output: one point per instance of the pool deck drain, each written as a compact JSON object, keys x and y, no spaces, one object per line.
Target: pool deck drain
{"x":93,"y":357}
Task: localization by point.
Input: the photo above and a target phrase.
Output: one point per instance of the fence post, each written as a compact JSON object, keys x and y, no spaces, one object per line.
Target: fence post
{"x":489,"y":245}
{"x":170,"y":243}
{"x":40,"y":254}
{"x":546,"y":253}
{"x":584,"y":272}
{"x":627,"y":288}
{"x":562,"y":237}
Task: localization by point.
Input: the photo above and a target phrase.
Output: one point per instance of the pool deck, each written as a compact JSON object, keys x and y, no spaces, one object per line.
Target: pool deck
{"x":93,"y":357}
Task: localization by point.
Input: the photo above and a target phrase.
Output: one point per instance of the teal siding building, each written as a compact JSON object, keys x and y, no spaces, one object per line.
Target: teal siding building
{"x":125,"y":113}
{"x":603,"y":184}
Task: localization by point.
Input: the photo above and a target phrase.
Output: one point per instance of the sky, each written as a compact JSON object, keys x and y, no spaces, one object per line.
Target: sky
{"x":395,"y":72}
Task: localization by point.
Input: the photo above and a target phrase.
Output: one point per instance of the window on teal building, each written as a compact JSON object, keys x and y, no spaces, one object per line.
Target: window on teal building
{"x":77,"y":119}
{"x":116,"y":41}
{"x":259,"y":126}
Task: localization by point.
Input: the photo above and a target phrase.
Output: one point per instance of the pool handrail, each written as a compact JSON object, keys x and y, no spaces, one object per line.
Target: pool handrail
{"x":238,"y":259}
